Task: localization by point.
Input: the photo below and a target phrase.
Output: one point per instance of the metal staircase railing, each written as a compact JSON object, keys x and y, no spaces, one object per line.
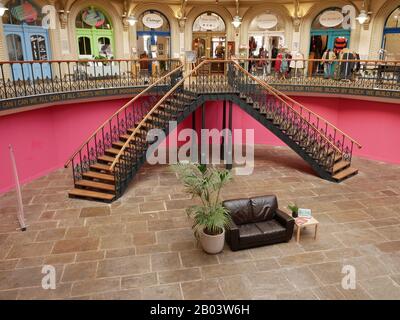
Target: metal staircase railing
{"x":116,"y":150}
{"x":166,"y":109}
{"x":315,"y":134}
{"x":109,"y":132}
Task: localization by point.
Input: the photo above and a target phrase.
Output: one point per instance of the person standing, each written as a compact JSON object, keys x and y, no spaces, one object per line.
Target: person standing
{"x":328,"y":60}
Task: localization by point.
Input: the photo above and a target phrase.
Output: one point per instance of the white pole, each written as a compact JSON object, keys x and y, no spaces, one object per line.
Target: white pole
{"x":20,"y":213}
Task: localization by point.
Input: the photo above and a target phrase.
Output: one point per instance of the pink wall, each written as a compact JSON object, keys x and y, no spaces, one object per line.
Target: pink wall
{"x":43,"y":139}
{"x":375,"y":125}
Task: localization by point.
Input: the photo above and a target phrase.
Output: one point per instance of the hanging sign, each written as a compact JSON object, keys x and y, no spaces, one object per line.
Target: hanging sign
{"x":152,"y":21}
{"x":209,"y":22}
{"x":266,"y":21}
{"x":24,"y":12}
{"x":93,"y":17}
{"x":331,"y":18}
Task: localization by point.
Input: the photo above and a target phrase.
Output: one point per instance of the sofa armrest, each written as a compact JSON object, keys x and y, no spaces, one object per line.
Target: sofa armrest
{"x":287,"y":221}
{"x":232,"y":235}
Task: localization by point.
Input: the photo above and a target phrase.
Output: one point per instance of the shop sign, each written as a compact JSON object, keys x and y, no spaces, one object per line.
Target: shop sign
{"x":267,"y":21}
{"x":209,"y":22}
{"x":331,"y":19}
{"x":93,"y":17}
{"x":152,"y":21}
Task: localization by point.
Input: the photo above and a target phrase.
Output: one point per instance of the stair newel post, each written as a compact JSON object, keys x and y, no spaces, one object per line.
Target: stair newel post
{"x":343,"y":143}
{"x":88,"y":153}
{"x":102,"y":134}
{"x":111,"y":135}
{"x":351,"y":151}
{"x":73,"y":170}
{"x":118,"y":124}
{"x":95,"y":144}
{"x":334,"y":136}
{"x":80,"y":161}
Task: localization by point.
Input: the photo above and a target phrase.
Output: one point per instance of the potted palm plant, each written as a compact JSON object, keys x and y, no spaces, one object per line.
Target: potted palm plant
{"x":210,"y":217}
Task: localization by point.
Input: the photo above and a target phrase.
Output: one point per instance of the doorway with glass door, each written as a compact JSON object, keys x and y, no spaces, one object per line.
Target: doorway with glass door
{"x":26,"y":40}
{"x":209,"y":40}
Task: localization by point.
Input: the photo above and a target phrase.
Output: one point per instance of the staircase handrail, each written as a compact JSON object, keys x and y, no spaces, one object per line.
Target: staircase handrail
{"x":308,"y":110}
{"x":120,"y":110}
{"x":278,"y":95}
{"x":180,"y":82}
{"x":288,"y":106}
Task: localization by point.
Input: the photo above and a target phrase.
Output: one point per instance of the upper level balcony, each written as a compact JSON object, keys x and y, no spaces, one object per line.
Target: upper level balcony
{"x":26,"y":84}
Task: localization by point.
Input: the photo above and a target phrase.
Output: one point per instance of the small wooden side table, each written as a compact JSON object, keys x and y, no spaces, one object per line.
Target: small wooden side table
{"x":310,"y":222}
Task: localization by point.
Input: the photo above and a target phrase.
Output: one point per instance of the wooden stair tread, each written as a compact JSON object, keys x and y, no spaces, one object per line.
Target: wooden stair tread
{"x":95,"y":184}
{"x":98,"y":175}
{"x":345,"y":173}
{"x":338,"y":157}
{"x":91,"y":194}
{"x":106,"y":158}
{"x":100,"y":166}
{"x":113,"y":150}
{"x":340,"y":165}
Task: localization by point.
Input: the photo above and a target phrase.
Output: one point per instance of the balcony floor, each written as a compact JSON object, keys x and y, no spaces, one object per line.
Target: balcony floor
{"x":142,"y":247}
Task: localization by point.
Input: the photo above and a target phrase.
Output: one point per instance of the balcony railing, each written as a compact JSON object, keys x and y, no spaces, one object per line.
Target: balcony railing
{"x":29,"y":78}
{"x":365,"y":74}
{"x":46,"y":80}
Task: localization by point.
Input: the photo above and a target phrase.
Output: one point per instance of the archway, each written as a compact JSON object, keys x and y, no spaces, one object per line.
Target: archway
{"x":391,"y":36}
{"x":26,"y":40}
{"x":154,"y":35}
{"x":94,"y":34}
{"x":327,"y":33}
{"x":209,"y":38}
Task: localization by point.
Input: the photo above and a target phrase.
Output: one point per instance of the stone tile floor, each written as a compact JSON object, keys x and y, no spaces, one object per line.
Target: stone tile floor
{"x":142,"y":246}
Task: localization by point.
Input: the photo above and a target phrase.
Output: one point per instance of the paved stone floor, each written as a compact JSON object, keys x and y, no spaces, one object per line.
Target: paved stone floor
{"x":142,"y":246}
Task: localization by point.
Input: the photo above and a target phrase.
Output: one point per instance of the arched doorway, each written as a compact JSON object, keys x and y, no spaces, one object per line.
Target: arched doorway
{"x":153,"y":35}
{"x":26,"y":40}
{"x":94,"y":34}
{"x":327,"y":32}
{"x":391,"y":36}
{"x":209,"y":38}
{"x":267,"y":30}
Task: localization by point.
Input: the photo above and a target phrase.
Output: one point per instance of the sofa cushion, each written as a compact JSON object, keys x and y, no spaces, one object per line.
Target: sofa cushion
{"x":249,"y":231}
{"x":240,"y":210}
{"x":272,"y":228}
{"x":263,"y":208}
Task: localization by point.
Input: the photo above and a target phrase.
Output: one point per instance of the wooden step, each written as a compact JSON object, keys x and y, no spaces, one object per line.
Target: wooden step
{"x":346,"y":173}
{"x":98,"y":176}
{"x":82,"y":193}
{"x":100,"y":166}
{"x":340,"y":166}
{"x":338,"y":157}
{"x":106,"y":158}
{"x":95,"y":185}
{"x":113,"y":150}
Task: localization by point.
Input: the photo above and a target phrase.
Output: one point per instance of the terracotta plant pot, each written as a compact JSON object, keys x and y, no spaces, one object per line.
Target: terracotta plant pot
{"x":212,"y":244}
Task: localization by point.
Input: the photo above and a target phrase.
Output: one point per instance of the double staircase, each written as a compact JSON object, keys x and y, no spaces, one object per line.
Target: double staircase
{"x":106,"y":163}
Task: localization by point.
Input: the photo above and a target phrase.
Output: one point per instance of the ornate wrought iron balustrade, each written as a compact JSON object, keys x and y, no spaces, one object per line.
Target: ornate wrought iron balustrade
{"x":29,"y":78}
{"x":119,"y":123}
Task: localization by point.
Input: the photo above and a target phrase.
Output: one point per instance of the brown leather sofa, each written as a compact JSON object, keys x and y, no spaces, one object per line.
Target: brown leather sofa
{"x":257,"y":222}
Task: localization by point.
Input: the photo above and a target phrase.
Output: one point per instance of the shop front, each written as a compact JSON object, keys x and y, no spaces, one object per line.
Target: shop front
{"x":26,"y":40}
{"x":209,"y":39}
{"x":327,"y":33}
{"x":153,"y":38}
{"x":94,"y":34}
{"x":391,"y":37}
